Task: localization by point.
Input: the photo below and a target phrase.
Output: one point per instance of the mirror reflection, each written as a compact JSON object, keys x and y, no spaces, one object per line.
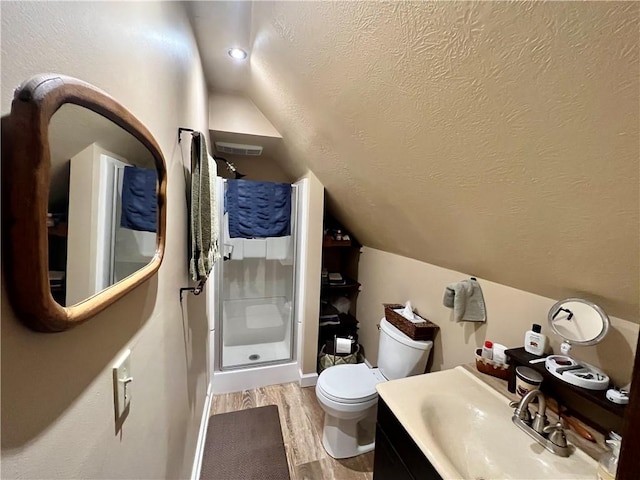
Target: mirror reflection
{"x":102,"y":204}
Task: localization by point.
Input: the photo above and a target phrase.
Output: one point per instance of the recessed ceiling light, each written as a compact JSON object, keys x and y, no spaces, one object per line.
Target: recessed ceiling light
{"x":237,"y":53}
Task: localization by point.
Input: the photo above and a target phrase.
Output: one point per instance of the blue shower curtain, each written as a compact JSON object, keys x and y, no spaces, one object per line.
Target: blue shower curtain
{"x":258,"y":209}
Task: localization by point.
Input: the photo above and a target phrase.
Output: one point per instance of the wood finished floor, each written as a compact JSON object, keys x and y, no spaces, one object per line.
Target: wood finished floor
{"x":301,"y":419}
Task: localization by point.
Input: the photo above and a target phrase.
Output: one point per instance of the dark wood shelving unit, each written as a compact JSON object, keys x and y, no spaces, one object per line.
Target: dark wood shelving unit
{"x":339,"y":256}
{"x":591,"y":406}
{"x":349,"y":283}
{"x":58,"y":230}
{"x":58,"y":233}
{"x":329,"y":242}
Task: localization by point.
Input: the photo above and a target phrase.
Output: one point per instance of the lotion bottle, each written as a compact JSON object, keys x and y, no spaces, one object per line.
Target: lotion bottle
{"x":534,"y":341}
{"x":487,"y":350}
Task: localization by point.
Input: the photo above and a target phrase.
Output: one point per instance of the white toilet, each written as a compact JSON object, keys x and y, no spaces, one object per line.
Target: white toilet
{"x":347,"y":393}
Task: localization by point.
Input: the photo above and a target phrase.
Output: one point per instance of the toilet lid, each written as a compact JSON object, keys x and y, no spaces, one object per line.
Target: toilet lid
{"x":349,"y":383}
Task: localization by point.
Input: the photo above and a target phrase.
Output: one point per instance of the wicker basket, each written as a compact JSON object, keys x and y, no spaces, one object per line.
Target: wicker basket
{"x":326,"y":360}
{"x":417,"y":331}
{"x":491,"y":367}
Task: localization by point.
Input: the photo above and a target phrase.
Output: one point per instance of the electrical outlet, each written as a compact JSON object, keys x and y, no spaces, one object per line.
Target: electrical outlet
{"x":122,"y":383}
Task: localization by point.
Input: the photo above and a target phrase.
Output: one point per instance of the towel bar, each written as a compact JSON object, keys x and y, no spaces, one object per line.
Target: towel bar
{"x":197,"y":290}
{"x":182,"y":129}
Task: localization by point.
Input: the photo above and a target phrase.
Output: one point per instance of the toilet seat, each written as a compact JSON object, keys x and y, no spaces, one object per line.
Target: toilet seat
{"x":350,"y":384}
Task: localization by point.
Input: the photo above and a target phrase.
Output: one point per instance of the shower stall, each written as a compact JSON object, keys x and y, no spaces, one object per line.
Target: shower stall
{"x":254,"y":304}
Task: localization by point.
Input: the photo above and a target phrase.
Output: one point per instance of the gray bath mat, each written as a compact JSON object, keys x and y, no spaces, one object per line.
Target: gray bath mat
{"x":246,"y":444}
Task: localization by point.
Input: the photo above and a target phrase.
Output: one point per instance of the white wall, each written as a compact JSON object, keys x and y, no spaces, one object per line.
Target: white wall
{"x":312,"y":263}
{"x":389,"y":278}
{"x":57,"y":400}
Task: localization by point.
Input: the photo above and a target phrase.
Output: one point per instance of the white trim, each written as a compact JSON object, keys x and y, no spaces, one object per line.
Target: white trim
{"x":212,"y":355}
{"x":228,"y":381}
{"x":308,"y":379}
{"x":302,"y":251}
{"x":202,"y":435}
{"x":366,"y":362}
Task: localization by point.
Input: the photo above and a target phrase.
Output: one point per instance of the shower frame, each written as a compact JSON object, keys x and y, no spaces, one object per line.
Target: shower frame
{"x":219,"y":290}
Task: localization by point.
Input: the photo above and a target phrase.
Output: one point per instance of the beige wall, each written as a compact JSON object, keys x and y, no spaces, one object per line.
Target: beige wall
{"x":389,"y":278}
{"x":82,"y":243}
{"x":238,"y":114}
{"x":496,"y":138}
{"x":263,"y":169}
{"x":57,"y":400}
{"x":235,"y":119}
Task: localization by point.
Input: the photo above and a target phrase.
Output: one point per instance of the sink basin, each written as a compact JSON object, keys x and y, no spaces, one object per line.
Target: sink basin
{"x":464,"y":428}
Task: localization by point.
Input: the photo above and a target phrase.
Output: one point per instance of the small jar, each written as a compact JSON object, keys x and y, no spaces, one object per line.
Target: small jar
{"x":527,"y":379}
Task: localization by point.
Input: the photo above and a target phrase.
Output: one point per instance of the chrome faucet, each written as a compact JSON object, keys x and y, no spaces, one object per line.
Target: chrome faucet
{"x":555,"y":440}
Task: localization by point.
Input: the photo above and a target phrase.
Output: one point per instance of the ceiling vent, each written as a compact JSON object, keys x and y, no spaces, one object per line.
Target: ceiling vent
{"x":239,"y":149}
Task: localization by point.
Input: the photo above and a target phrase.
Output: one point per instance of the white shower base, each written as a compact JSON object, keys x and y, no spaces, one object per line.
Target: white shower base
{"x":255,"y":320}
{"x":256,"y":331}
{"x":254,"y":377}
{"x":257,"y":353}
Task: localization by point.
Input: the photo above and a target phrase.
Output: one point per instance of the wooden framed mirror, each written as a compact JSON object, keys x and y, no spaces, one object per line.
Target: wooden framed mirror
{"x":83,"y":202}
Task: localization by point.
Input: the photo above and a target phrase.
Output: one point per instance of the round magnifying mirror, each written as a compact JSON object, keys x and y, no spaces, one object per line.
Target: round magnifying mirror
{"x":579,"y":321}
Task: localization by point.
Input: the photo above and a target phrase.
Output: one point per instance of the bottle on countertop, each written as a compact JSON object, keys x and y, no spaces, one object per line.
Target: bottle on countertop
{"x":487,"y":350}
{"x":609,"y":461}
{"x":534,"y":341}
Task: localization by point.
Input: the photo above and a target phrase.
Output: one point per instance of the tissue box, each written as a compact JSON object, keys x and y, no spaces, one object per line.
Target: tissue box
{"x":417,"y":331}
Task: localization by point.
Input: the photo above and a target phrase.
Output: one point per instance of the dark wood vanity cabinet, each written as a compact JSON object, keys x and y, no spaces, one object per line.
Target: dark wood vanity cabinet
{"x":397,"y":457}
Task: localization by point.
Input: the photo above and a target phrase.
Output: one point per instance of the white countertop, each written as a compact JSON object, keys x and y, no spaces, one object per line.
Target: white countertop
{"x":464,"y":429}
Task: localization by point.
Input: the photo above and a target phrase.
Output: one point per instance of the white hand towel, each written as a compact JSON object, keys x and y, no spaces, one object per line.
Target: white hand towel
{"x":278,"y":247}
{"x":467,"y":301}
{"x":215,"y":229}
{"x":234,"y":250}
{"x":233,"y":247}
{"x":255,"y":247}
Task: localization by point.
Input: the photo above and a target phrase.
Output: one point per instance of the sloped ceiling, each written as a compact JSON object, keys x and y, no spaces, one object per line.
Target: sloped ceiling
{"x":498,"y":139}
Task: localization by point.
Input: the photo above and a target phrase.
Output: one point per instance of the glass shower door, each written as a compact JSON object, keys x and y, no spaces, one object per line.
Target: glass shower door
{"x":256,"y":288}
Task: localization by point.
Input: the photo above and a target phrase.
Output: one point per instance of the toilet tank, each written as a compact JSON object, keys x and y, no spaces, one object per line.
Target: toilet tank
{"x":398,"y":355}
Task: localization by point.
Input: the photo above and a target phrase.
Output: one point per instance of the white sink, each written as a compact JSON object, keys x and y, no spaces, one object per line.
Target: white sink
{"x":464,"y":428}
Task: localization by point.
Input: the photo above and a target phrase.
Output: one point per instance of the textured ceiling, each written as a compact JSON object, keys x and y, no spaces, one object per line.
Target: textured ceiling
{"x":220,"y":26}
{"x":494,"y":138}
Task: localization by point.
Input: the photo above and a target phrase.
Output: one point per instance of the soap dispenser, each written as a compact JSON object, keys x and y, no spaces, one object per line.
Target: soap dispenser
{"x":609,"y":462}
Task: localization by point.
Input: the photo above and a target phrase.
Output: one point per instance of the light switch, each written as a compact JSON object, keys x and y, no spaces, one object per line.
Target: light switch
{"x":122,"y":383}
